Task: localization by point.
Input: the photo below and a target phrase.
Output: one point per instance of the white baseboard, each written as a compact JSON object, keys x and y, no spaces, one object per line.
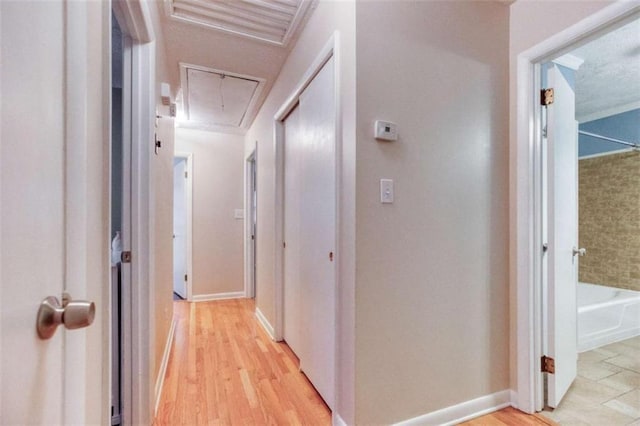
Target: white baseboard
{"x":265,"y":324}
{"x":337,"y":420}
{"x":217,"y":296}
{"x":464,"y":411}
{"x":163,"y":365}
{"x":513,"y":395}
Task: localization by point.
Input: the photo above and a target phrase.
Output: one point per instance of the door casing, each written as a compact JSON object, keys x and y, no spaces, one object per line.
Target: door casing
{"x":527,"y":221}
{"x":138,"y":128}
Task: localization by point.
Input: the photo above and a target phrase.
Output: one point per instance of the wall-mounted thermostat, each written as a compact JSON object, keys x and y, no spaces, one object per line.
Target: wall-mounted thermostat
{"x":386,"y":130}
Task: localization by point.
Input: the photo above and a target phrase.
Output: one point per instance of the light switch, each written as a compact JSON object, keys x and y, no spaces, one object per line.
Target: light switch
{"x":386,"y":191}
{"x":238,"y":214}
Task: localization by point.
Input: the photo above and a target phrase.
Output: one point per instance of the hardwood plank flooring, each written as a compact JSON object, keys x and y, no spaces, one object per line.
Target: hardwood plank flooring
{"x":509,"y":417}
{"x":224,"y":369}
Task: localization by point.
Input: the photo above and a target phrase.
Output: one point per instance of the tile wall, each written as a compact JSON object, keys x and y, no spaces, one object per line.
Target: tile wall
{"x":609,"y":220}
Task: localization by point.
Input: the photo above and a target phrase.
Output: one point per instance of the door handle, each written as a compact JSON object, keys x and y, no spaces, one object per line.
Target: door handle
{"x":580,"y":251}
{"x":72,"y":313}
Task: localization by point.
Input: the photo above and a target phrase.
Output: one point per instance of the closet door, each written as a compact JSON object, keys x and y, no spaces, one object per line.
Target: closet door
{"x":310,"y":231}
{"x":318,"y":222}
{"x":293,"y":297}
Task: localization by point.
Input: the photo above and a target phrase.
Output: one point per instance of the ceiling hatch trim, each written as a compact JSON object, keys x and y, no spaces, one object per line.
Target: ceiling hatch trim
{"x":216,"y":99}
{"x":271,"y":21}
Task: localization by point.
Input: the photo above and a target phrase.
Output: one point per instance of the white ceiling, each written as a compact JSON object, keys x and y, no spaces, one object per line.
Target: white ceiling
{"x":227,"y":52}
{"x":609,"y":79}
{"x":273,"y":21}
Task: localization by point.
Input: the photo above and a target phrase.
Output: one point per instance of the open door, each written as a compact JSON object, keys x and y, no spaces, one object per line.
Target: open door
{"x":54,"y":235}
{"x":562,"y":228}
{"x":252,"y":222}
{"x":180,"y":227}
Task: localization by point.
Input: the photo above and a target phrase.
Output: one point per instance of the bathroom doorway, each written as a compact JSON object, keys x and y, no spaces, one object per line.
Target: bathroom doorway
{"x":590,"y":232}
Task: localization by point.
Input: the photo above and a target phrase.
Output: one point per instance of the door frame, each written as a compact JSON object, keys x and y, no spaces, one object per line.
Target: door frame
{"x":527,"y":221}
{"x":188,"y":157}
{"x":250,"y":246}
{"x":139,"y":97}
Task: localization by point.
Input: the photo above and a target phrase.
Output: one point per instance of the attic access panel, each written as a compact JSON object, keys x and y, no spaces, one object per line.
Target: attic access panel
{"x":217,"y":98}
{"x":272,"y":21}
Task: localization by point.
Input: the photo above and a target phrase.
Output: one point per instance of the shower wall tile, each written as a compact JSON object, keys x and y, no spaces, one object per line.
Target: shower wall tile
{"x":609,"y":220}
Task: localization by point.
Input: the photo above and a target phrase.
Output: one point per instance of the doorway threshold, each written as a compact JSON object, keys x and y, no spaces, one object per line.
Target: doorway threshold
{"x":607,"y":389}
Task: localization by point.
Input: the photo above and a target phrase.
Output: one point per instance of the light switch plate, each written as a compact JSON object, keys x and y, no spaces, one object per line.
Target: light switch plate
{"x":386,"y":191}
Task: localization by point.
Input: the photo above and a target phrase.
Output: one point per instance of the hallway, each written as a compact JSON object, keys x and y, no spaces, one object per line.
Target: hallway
{"x":224,"y":369}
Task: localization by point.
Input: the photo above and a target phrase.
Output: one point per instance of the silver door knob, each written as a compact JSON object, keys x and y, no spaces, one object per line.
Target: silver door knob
{"x":72,"y":313}
{"x":580,"y":251}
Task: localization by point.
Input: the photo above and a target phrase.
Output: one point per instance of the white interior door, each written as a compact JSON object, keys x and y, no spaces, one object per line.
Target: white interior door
{"x":32,"y":210}
{"x":54,"y":213}
{"x":251,"y":203}
{"x":562,"y":160}
{"x":310,"y":231}
{"x":253,"y":218}
{"x":318,"y":204}
{"x":294,"y":301}
{"x":180,"y":227}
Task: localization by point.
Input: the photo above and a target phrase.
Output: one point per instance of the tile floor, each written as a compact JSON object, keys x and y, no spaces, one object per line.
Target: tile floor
{"x":607,"y":389}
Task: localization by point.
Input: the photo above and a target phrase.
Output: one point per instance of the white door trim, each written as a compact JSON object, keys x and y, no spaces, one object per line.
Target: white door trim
{"x":86,"y":205}
{"x":527,"y":194}
{"x":330,"y":49}
{"x":188,"y":157}
{"x":249,"y":251}
{"x":138,"y":125}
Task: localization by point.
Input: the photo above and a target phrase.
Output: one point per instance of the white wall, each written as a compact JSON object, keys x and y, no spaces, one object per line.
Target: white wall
{"x":441,"y":249}
{"x":327,"y":18}
{"x":432,"y":268}
{"x":160,"y":188}
{"x":530,"y":23}
{"x":161,"y":221}
{"x":218,"y":185}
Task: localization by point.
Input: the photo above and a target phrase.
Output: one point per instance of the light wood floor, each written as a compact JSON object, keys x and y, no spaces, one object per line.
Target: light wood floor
{"x":509,"y":417}
{"x":224,"y":369}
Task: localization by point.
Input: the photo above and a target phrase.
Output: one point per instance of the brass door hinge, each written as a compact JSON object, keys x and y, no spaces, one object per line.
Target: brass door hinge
{"x":548,"y":365}
{"x":185,"y":277}
{"x":546,"y":97}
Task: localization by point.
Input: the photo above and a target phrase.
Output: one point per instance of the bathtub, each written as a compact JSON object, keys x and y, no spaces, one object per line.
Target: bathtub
{"x":606,"y":315}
